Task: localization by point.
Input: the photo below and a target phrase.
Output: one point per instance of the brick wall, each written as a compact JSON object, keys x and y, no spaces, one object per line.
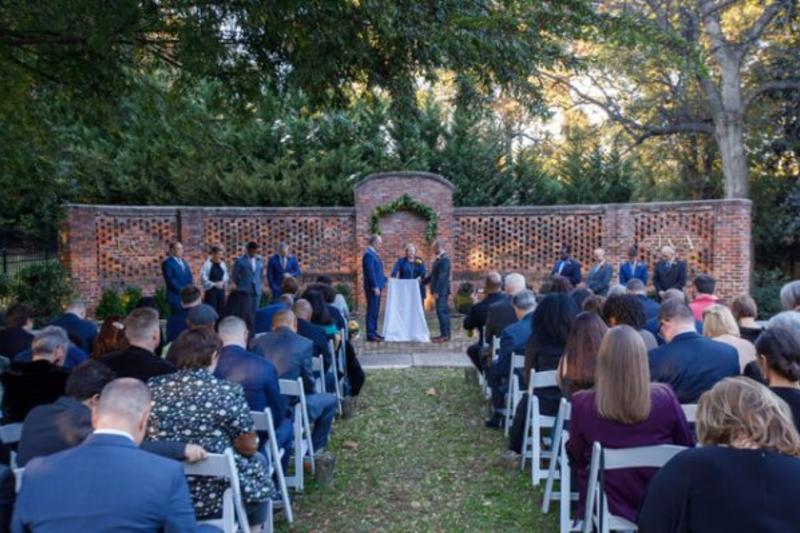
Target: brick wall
{"x":105,"y":246}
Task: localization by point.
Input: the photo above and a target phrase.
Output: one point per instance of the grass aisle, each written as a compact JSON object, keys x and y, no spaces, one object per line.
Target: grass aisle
{"x":421,"y":461}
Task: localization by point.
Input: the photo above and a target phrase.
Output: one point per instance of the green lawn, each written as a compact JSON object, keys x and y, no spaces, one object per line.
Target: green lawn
{"x":423,"y":462}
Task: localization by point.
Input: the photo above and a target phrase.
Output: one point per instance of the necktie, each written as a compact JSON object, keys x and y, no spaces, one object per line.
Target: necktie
{"x":283,"y":263}
{"x":560,"y":267}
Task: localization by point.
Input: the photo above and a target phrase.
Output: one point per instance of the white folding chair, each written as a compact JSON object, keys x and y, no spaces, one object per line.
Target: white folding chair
{"x":338,"y":384}
{"x":514,"y":389}
{"x":303,"y":446}
{"x":223,"y":465}
{"x":535,"y":421}
{"x":263,"y":422}
{"x":11,"y":434}
{"x":18,"y":473}
{"x":597,"y":516}
{"x":318,"y":367}
{"x":559,"y":470}
{"x":690,"y":411}
{"x":487,"y":391}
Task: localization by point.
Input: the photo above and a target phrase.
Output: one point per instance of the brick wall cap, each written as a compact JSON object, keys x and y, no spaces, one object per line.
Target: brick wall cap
{"x":406,"y":174}
{"x":576,"y":209}
{"x":212,"y":210}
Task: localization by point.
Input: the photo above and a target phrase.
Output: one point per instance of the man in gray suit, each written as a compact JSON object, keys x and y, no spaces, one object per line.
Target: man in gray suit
{"x":247,"y":274}
{"x":292,"y":356}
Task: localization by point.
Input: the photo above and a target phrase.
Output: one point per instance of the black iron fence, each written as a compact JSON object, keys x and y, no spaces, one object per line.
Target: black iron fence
{"x":13,"y":259}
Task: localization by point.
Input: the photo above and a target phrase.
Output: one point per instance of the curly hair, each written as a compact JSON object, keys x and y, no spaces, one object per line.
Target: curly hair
{"x":739,"y":408}
{"x":624,"y":309}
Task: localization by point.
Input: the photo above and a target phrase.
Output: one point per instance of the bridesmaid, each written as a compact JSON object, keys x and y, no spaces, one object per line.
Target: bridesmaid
{"x":410,"y":267}
{"x":214,"y":276}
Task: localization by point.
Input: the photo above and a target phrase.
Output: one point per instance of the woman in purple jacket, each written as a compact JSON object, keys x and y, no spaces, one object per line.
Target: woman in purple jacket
{"x":623,"y":410}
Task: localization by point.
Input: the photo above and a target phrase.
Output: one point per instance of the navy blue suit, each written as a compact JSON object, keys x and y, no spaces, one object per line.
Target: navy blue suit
{"x":374,"y":278}
{"x":653,"y":327}
{"x":627,"y":272}
{"x":275,"y":272}
{"x":440,"y":286}
{"x":263,"y":318}
{"x":692,"y":364}
{"x":177,"y":275}
{"x":317,"y":335}
{"x":650,"y":306}
{"x":81,"y":332}
{"x":14,"y":341}
{"x":568,"y":268}
{"x":176,"y":324}
{"x":405,"y":269}
{"x":105,"y":484}
{"x":513,"y":340}
{"x":259,"y":379}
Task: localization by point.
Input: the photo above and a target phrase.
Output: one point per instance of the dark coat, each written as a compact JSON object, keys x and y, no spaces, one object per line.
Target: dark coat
{"x":499,"y":316}
{"x":14,"y":341}
{"x":599,"y":278}
{"x":439,"y":278}
{"x":317,"y":335}
{"x":476,"y":318}
{"x":672,"y":276}
{"x":290,"y":353}
{"x":81,"y":332}
{"x":627,"y":272}
{"x":28,"y":384}
{"x":571,"y":270}
{"x":176,"y":277}
{"x":135,"y":362}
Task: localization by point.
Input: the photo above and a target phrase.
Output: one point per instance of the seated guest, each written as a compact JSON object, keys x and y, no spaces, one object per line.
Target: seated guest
{"x":689,"y":362}
{"x":191,"y":296}
{"x":627,"y":309}
{"x":513,"y":340}
{"x":476,"y":318}
{"x":577,"y":365}
{"x":202,"y":316}
{"x":580,"y":295}
{"x":719,"y":324}
{"x":636,"y":287}
{"x":40,"y":381}
{"x":790,"y":296}
{"x":263,"y":318}
{"x":785,"y":319}
{"x":339,"y":301}
{"x":653,"y":325}
{"x":633,"y":268}
{"x":291,"y":355}
{"x":703,"y":295}
{"x":599,"y":277}
{"x":151,"y":303}
{"x":745,"y":312}
{"x":501,"y":314}
{"x":559,"y":284}
{"x":567,"y":267}
{"x":16,"y":337}
{"x":593,"y":304}
{"x":81,"y":332}
{"x":623,"y":410}
{"x":321,"y":314}
{"x":138,"y":360}
{"x":779,"y":361}
{"x":256,"y":375}
{"x":67,"y":422}
{"x":107,"y":483}
{"x":7,"y":497}
{"x":220,"y":419}
{"x":742,"y":476}
{"x":75,"y":356}
{"x":329,"y":294}
{"x":617,"y":290}
{"x":214,"y":278}
{"x":240,"y":304}
{"x":111,"y":337}
{"x":316,"y":334}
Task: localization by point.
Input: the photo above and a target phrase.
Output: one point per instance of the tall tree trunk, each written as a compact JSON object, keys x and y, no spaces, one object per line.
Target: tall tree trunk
{"x":729,"y":133}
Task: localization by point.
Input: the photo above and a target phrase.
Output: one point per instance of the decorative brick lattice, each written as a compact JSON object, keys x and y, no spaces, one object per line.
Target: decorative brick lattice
{"x":691,"y":234}
{"x":130,"y":248}
{"x":525,"y":243}
{"x":321,"y":243}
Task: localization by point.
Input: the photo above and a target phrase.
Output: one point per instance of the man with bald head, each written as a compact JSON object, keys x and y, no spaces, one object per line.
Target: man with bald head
{"x":107,"y":483}
{"x":291,"y":354}
{"x":669,"y":273}
{"x":316,"y":334}
{"x":476,"y":318}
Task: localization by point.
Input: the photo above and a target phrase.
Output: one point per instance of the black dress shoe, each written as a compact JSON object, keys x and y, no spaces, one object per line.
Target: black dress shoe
{"x":374,"y":339}
{"x":495,"y":422}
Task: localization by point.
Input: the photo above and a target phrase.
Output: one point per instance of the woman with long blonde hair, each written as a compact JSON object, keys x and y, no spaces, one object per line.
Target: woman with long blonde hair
{"x":746,"y":475}
{"x":623,"y":410}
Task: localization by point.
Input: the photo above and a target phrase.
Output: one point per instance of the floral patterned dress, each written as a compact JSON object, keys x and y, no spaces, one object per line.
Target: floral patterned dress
{"x":194,"y":406}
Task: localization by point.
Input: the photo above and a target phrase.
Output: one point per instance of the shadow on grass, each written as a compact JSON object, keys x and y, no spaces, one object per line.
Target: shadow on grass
{"x":421,"y":462}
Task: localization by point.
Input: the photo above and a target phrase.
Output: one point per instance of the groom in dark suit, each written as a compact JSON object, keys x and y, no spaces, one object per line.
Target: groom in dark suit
{"x":177,"y":275}
{"x":374,"y":282}
{"x":440,"y":290}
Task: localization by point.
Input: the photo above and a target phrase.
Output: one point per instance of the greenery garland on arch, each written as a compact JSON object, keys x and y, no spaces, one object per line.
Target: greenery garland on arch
{"x":406,"y":203}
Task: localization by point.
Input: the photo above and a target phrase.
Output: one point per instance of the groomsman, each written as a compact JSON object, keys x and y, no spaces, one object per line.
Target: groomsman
{"x":633,"y":268}
{"x":439,"y":280}
{"x":669,"y":273}
{"x":600,"y":275}
{"x":247,"y":273}
{"x":374,"y":282}
{"x":566,"y":266}
{"x":177,"y":275}
{"x":280,"y":266}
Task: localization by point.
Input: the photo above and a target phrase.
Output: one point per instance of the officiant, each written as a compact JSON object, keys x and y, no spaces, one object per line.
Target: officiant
{"x":410,"y":267}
